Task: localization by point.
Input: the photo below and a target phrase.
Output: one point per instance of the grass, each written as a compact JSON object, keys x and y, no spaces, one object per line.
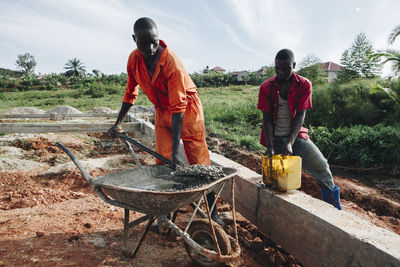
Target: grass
{"x":230,"y":112}
{"x":48,"y":100}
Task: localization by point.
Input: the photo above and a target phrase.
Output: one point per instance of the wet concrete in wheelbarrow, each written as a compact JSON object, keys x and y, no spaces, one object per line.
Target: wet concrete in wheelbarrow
{"x":50,"y":217}
{"x":163,"y":178}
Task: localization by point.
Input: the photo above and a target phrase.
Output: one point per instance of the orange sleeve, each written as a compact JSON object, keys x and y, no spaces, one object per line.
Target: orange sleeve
{"x":177,"y":84}
{"x":132,"y":87}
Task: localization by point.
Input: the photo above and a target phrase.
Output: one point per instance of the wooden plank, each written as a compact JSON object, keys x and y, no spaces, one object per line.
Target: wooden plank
{"x":63,"y":127}
{"x":58,"y":115}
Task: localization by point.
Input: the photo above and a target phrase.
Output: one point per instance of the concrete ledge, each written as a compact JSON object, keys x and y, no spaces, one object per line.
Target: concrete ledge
{"x":145,"y":133}
{"x":315,"y":232}
{"x":62,"y":127}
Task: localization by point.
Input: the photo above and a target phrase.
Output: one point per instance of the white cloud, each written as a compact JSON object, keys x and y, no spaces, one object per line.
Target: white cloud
{"x":268,"y":25}
{"x":55,"y":31}
{"x":234,"y":34}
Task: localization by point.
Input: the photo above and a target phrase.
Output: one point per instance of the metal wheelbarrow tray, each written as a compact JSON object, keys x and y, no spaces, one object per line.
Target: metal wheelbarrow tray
{"x":151,"y":190}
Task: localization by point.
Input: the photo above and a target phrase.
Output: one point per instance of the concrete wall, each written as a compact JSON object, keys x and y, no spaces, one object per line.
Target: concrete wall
{"x":313,"y":231}
{"x":145,"y":133}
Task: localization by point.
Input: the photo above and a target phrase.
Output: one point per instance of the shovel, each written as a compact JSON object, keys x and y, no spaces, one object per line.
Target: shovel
{"x":145,"y":148}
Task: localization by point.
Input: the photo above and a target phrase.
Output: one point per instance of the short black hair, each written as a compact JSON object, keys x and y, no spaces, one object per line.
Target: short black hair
{"x":144,"y":23}
{"x":285,"y":54}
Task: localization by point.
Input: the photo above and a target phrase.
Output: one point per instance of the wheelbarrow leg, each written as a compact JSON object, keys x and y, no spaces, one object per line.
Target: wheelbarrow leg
{"x":126,"y":227}
{"x":173,"y":220}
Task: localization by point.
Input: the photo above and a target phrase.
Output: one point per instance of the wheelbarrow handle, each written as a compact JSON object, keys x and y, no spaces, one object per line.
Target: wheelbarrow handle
{"x":87,"y":176}
{"x":152,"y":152}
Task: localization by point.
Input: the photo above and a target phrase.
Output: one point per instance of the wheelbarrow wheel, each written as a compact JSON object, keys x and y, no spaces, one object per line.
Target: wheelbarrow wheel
{"x":200,"y":232}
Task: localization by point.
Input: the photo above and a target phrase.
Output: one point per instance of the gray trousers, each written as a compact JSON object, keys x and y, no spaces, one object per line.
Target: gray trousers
{"x":312,"y":160}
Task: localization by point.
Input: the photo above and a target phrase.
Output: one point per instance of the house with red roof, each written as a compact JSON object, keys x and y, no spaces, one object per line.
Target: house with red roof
{"x":332,"y":70}
{"x":218,"y":69}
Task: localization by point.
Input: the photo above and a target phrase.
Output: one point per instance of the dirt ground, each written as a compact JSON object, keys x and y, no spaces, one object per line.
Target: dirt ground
{"x":49,"y":215}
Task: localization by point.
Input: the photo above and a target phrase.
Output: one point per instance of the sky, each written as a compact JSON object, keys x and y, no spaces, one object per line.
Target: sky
{"x":233,"y":34}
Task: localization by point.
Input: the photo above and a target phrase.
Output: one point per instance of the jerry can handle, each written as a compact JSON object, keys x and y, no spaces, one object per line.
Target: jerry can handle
{"x":283,"y":168}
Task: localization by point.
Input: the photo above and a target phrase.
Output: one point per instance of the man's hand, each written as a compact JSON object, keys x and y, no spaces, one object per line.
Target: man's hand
{"x":287,"y":149}
{"x":175,"y":161}
{"x":269,"y":152}
{"x":115,"y":129}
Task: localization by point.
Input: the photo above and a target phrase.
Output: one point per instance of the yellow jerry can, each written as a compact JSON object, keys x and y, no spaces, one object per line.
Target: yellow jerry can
{"x":282,"y":172}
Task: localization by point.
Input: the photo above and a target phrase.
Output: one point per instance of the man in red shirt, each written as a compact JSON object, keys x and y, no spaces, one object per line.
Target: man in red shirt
{"x":179,"y":113}
{"x":284,"y":99}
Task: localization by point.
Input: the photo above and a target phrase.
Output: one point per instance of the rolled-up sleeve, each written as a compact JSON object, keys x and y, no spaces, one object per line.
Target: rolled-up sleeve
{"x":176,"y":75}
{"x":264,"y":96}
{"x":132,"y":87}
{"x":304,"y":97}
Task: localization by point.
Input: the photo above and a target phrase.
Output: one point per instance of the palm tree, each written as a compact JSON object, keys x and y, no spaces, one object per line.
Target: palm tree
{"x":394,"y":34}
{"x":75,"y":68}
{"x":392,"y":56}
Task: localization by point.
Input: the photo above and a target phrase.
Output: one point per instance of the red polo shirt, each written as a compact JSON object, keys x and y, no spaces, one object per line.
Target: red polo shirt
{"x":299,"y":98}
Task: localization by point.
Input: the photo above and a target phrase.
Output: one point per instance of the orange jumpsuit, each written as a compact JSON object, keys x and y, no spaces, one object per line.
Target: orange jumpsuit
{"x":171,"y":90}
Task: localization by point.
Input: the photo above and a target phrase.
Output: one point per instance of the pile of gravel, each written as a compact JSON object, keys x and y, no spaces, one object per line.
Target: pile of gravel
{"x":64,"y":110}
{"x":141,"y":109}
{"x":197,"y":175}
{"x":101,"y":110}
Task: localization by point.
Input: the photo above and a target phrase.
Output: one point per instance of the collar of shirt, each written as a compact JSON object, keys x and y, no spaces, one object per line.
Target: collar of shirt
{"x":160,"y":49}
{"x":275,"y":95}
{"x":162,"y":59}
{"x":295,"y":79}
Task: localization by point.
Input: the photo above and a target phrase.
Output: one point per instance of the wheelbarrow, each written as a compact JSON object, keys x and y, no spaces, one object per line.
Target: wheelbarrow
{"x":151,"y":190}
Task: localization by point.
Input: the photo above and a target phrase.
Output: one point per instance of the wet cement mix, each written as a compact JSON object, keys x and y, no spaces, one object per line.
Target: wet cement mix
{"x":49,"y":215}
{"x":194,"y":176}
{"x":163,"y":178}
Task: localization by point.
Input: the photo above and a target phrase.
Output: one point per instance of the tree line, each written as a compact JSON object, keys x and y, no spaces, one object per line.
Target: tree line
{"x":26,"y":64}
{"x":360,"y":60}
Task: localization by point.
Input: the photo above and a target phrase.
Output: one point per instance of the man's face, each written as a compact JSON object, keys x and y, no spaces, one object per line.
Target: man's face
{"x":147,"y":42}
{"x":284,"y":68}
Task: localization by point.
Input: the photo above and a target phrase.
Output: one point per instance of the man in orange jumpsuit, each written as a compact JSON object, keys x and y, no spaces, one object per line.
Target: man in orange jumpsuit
{"x":179,"y":113}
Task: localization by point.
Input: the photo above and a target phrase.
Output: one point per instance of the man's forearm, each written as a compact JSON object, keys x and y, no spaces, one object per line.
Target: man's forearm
{"x":297,"y":123}
{"x":123,"y":111}
{"x":176,"y":131}
{"x":268,"y":130}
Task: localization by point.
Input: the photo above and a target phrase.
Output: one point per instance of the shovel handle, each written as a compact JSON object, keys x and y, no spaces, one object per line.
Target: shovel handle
{"x":145,"y":148}
{"x":88,"y":177}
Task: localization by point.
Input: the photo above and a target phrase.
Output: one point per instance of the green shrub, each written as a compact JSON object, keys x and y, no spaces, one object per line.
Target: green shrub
{"x":358,"y":102}
{"x":360,"y":146}
{"x":211,"y":79}
{"x":98,"y":90}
